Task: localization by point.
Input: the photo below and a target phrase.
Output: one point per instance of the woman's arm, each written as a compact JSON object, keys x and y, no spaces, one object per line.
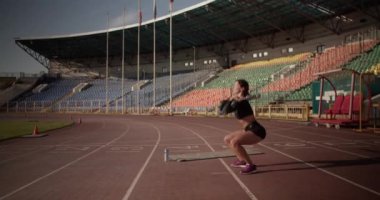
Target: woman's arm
{"x":227,"y":106}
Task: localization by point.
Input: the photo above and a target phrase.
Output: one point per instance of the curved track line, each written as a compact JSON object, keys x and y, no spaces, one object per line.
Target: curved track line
{"x":237,"y":179}
{"x":308,"y":164}
{"x":65,"y":166}
{"x":37,"y":150}
{"x":139,"y":174}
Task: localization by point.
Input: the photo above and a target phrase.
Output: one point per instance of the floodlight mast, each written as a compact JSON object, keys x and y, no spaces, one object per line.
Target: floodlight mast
{"x":171,"y":59}
{"x":138,"y":60}
{"x":154,"y":52}
{"x":107,"y":98}
{"x":122,"y":68}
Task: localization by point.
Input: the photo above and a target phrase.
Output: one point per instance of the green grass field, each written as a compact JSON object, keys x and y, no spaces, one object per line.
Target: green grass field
{"x":16,"y":128}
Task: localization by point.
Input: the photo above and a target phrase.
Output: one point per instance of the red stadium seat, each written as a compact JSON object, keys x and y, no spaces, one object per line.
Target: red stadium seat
{"x":336,"y":109}
{"x":345,"y":108}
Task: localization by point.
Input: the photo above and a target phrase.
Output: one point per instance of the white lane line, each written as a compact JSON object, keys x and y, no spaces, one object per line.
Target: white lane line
{"x":322,"y":170}
{"x":311,"y":165}
{"x":63,"y":167}
{"x":237,"y":179}
{"x":323,"y":146}
{"x":316,"y":144}
{"x":41,"y":149}
{"x":329,"y":136}
{"x":139,"y":174}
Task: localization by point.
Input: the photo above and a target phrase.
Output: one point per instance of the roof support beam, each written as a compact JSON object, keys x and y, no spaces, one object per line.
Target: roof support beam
{"x":158,"y":33}
{"x":37,"y":56}
{"x":221,"y":51}
{"x":202,"y":24}
{"x":232,"y":25}
{"x":142,"y":47}
{"x":269,"y":39}
{"x":298,"y":11}
{"x":273,"y":24}
{"x":181,"y":39}
{"x":333,"y":24}
{"x":376,"y":15}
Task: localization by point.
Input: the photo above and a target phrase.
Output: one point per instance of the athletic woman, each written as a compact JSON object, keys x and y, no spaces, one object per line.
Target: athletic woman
{"x":252,"y":132}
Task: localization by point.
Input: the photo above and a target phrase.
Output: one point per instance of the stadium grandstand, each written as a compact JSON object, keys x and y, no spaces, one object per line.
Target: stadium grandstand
{"x":282,"y":48}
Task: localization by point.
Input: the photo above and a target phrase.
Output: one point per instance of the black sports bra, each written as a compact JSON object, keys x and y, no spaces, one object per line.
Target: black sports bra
{"x":241,"y":108}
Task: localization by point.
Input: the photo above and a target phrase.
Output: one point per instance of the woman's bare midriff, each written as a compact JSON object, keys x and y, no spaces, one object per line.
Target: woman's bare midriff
{"x":247,"y":120}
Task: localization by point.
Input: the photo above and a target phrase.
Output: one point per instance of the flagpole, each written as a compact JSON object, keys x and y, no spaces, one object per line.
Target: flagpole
{"x":154,"y":52}
{"x":194,"y":58}
{"x":122,"y":68}
{"x":171,"y":56}
{"x":138,"y":59}
{"x":107,"y":100}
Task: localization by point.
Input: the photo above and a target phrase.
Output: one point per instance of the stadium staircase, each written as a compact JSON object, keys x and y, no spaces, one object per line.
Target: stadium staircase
{"x":17,"y":88}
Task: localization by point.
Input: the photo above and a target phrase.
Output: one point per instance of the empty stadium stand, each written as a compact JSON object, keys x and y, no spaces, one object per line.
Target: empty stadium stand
{"x":302,"y":94}
{"x":332,"y":58}
{"x":366,"y":61}
{"x":256,"y":73}
{"x":17,"y":88}
{"x":181,"y":83}
{"x":6,"y":82}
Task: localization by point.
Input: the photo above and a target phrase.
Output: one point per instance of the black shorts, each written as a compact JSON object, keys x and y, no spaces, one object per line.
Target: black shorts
{"x":257,"y":129}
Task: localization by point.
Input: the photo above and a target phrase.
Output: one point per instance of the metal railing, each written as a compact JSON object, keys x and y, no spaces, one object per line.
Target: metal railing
{"x":283,"y":112}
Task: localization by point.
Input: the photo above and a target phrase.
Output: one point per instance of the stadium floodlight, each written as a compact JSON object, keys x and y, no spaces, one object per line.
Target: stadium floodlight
{"x":321,"y":8}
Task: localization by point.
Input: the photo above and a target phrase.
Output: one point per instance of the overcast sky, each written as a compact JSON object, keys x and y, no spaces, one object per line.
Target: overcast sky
{"x":36,"y":18}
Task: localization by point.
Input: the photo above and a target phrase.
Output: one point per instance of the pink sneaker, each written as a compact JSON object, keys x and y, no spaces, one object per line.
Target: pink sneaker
{"x":238,"y":163}
{"x":248,"y":169}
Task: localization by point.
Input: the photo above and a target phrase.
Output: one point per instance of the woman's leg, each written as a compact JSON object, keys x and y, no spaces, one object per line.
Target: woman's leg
{"x":227,"y":140}
{"x":239,"y":138}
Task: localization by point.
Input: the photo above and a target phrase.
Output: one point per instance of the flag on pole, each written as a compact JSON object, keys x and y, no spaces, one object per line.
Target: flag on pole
{"x":154,"y":9}
{"x":171,"y":5}
{"x":140,"y":13}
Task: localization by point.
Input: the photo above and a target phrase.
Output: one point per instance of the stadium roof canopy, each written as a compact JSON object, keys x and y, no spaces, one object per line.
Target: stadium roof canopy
{"x":207,"y":23}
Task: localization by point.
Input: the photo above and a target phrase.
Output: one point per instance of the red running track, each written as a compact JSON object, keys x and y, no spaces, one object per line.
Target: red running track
{"x":121,"y":157}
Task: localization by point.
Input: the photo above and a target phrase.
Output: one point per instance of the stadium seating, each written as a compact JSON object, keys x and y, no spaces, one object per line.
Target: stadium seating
{"x":331,"y":59}
{"x":16,"y":89}
{"x":375,"y":69}
{"x":202,"y":97}
{"x":302,"y":94}
{"x":181,"y":83}
{"x":276,"y":80}
{"x":5,"y":82}
{"x":336,"y":108}
{"x":366,"y":61}
{"x":256,"y":73}
{"x":55,"y":90}
{"x":275,"y":61}
{"x":97,"y":90}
